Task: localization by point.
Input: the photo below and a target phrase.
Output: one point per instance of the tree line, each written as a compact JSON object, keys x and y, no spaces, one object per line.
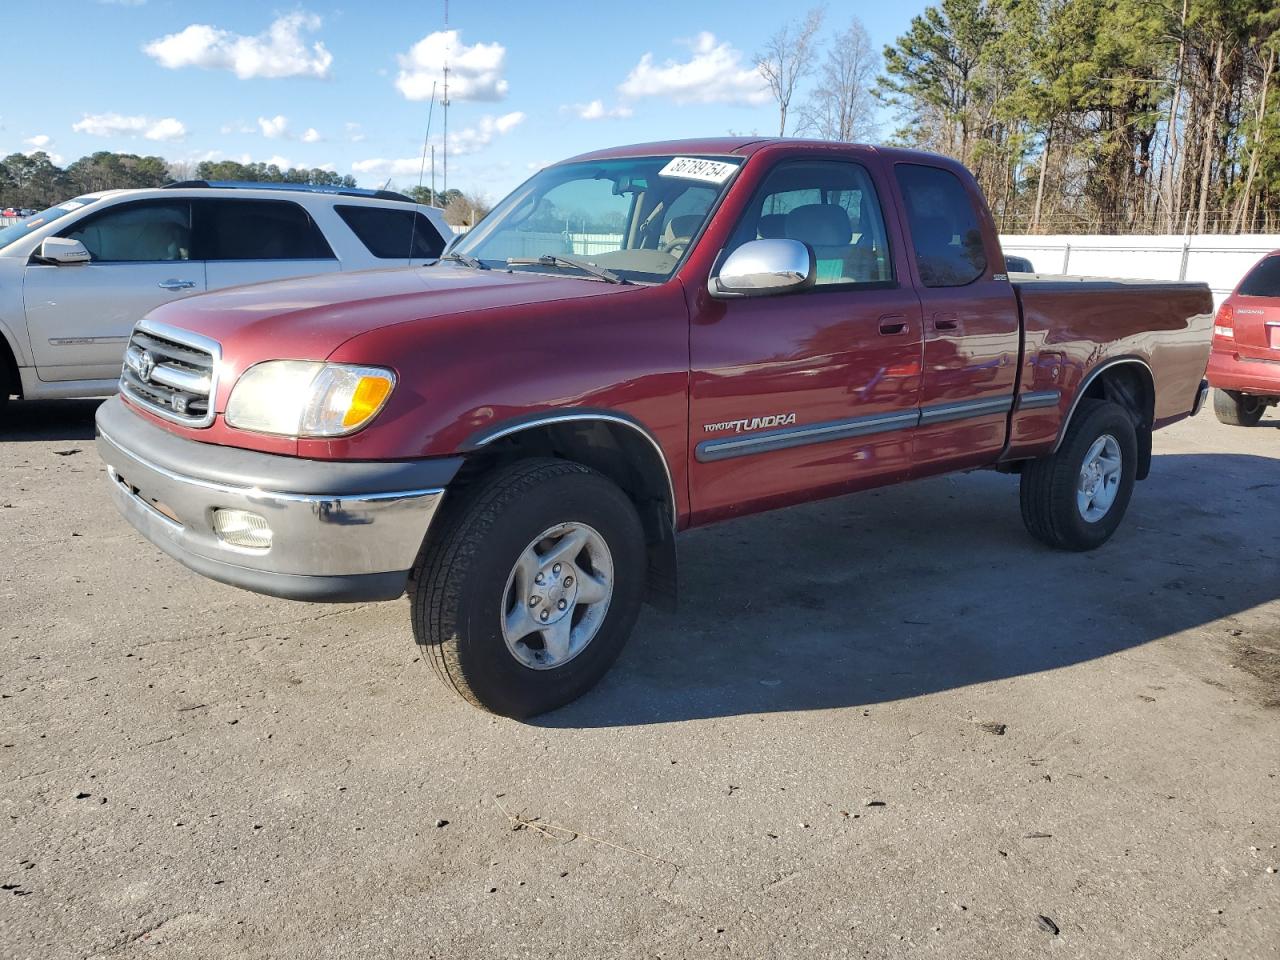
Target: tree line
{"x":1120,"y":116}
{"x":34,"y":181}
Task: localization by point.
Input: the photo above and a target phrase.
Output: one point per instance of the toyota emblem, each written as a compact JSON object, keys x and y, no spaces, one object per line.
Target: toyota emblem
{"x":146,"y":363}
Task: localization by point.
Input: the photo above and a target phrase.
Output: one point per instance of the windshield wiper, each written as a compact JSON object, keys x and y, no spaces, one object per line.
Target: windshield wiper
{"x":556,"y":260}
{"x":466,"y":260}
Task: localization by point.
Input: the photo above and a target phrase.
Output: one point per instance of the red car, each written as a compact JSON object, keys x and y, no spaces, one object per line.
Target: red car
{"x":634,"y":342}
{"x":1244,"y":366}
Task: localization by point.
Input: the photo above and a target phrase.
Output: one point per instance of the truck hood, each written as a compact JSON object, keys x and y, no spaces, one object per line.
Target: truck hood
{"x":310,"y":317}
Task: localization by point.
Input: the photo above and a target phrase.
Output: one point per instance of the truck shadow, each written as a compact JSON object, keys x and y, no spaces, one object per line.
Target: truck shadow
{"x":25,"y":420}
{"x":934,"y":586}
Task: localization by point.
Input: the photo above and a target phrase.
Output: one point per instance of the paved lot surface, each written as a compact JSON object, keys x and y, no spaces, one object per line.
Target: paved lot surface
{"x":885,"y":726}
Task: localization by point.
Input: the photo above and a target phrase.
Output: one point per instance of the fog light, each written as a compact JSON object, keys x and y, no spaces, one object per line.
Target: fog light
{"x":240,"y":528}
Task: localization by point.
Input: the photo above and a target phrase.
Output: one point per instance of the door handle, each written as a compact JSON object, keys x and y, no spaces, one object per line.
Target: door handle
{"x":176,"y":284}
{"x":893,"y":324}
{"x":945,"y":321}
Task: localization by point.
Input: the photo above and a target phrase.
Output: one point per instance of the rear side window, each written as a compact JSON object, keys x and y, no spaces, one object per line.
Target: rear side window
{"x":393,"y":234}
{"x":944,"y":226}
{"x":1263,"y":280}
{"x":257,"y":230}
{"x":148,"y":231}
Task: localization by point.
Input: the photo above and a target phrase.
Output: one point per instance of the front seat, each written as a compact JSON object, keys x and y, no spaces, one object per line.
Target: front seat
{"x":826,"y":228}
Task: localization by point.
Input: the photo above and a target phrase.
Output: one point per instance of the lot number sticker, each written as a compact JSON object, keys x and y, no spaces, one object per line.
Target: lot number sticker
{"x":692,"y":168}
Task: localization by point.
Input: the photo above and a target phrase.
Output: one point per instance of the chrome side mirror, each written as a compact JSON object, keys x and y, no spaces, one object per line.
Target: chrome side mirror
{"x":63,"y":250}
{"x":760,"y":268}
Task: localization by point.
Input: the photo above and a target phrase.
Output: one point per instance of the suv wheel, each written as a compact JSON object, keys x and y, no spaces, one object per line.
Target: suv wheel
{"x":1076,"y":498}
{"x":526,"y":594}
{"x":1238,"y":409}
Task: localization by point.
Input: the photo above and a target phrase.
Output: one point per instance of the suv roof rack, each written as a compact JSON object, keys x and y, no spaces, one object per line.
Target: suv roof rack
{"x":297,"y":187}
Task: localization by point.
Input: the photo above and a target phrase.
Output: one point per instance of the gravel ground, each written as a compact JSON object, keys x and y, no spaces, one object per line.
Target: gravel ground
{"x":889,"y":725}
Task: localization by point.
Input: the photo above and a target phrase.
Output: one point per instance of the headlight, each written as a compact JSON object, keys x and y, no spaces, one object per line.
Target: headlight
{"x":305,"y":398}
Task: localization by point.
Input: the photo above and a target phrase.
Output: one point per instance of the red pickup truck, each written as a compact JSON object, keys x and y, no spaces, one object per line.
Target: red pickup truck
{"x":634,"y":342}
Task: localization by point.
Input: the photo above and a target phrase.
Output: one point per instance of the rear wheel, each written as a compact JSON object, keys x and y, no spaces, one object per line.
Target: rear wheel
{"x":530,"y":588}
{"x":1075,"y":499}
{"x":1238,"y":409}
{"x":7,"y":386}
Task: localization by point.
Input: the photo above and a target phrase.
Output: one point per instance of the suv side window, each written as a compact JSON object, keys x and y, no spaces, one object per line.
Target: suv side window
{"x":145,"y":231}
{"x":944,"y":226}
{"x":830,"y":205}
{"x":1263,"y":280}
{"x":391,"y":234}
{"x":258,"y":230}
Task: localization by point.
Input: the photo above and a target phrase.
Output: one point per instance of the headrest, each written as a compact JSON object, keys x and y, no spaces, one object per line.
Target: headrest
{"x":682,"y":227}
{"x":820,"y":225}
{"x":772,"y":226}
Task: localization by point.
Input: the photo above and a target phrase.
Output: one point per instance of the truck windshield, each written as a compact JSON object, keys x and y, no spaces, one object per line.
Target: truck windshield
{"x":635,"y":217}
{"x":16,"y":231}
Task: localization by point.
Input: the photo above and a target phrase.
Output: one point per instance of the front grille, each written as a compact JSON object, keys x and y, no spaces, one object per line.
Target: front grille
{"x":172,"y":373}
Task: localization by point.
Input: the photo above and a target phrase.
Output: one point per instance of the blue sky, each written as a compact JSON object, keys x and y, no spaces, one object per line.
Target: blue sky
{"x":348,"y":85}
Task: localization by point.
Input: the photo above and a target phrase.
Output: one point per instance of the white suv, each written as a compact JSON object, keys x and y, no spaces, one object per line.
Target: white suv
{"x":75,"y":278}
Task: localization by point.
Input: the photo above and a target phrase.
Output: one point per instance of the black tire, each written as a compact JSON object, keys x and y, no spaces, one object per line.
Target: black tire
{"x":7,"y":387}
{"x":1238,"y":409}
{"x":457,"y":587}
{"x":1049,"y":485}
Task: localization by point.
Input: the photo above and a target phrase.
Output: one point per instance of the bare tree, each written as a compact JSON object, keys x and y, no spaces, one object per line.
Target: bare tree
{"x":788,"y":56}
{"x":841,"y":106}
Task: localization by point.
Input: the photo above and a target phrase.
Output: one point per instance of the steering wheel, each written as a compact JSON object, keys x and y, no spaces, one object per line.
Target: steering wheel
{"x":675,"y":247}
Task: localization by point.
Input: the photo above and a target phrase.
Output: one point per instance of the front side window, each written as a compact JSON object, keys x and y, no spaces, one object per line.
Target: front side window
{"x":148,"y":231}
{"x":634,"y":216}
{"x":258,"y":230}
{"x":832,"y":207}
{"x":391,"y":234}
{"x":944,"y":226}
{"x":1263,"y":280}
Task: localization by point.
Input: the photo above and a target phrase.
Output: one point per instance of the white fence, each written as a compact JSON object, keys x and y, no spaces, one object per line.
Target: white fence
{"x":1215,"y":259}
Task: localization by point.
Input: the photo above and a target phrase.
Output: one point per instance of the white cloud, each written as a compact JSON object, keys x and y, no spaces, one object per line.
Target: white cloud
{"x":279,"y":51}
{"x":40,"y":141}
{"x":596,"y":110}
{"x":716,"y":73}
{"x":475,"y":72}
{"x":355,"y":133}
{"x":123,"y":3}
{"x":273,"y":128}
{"x":483,"y":133}
{"x":311,"y":135}
{"x":279,"y":161}
{"x":461,"y":143}
{"x":115,"y":125}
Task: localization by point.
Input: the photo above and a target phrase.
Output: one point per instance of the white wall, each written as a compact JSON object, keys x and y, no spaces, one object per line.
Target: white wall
{"x":1217,"y":260}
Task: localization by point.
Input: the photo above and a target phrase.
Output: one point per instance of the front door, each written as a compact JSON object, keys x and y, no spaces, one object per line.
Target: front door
{"x":80,"y":315}
{"x":812,"y":392}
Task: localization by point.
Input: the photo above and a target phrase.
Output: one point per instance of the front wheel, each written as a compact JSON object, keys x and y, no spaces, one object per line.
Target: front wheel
{"x":1075,"y":498}
{"x":1237,"y":409}
{"x":530,"y":588}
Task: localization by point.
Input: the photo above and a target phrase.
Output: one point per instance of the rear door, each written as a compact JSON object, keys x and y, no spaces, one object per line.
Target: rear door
{"x":1256,"y":311}
{"x":252,"y":241}
{"x":80,"y":315}
{"x":971,"y":329}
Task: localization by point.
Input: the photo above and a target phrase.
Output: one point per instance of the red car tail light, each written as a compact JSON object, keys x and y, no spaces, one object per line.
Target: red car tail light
{"x":1224,"y":322}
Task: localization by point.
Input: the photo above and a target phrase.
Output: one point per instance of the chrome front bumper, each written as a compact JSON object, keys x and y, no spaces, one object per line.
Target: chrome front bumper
{"x":339,"y":531}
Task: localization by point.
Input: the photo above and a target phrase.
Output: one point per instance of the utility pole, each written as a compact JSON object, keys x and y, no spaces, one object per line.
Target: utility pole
{"x":444,"y":144}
